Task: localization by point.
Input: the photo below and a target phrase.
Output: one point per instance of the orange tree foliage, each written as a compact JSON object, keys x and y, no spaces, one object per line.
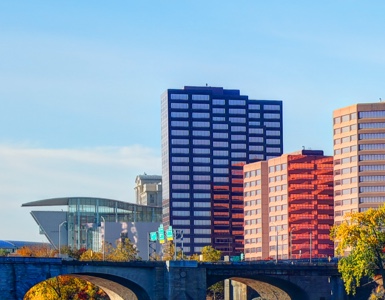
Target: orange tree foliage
{"x":65,"y":287}
{"x":37,"y":251}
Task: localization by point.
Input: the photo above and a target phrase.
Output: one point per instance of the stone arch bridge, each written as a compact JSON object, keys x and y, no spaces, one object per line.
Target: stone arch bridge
{"x":177,"y":280}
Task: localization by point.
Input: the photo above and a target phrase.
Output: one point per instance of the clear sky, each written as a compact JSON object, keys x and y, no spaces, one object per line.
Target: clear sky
{"x":80,"y":83}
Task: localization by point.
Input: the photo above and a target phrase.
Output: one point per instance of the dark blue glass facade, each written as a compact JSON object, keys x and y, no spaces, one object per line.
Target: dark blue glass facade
{"x":208,"y":134}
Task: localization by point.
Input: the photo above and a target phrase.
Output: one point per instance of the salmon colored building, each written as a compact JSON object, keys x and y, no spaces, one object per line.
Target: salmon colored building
{"x":288,"y":208}
{"x":359,"y":158}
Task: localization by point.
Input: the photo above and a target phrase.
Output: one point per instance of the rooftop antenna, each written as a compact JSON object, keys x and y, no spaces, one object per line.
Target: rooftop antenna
{"x":380,"y":100}
{"x":207,"y":84}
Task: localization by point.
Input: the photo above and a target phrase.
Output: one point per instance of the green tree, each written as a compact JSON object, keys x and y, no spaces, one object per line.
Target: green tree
{"x":211,"y":254}
{"x":4,"y":252}
{"x":360,"y":240}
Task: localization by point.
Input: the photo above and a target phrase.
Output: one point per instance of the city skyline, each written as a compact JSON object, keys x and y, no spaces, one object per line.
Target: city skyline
{"x":81,"y":84}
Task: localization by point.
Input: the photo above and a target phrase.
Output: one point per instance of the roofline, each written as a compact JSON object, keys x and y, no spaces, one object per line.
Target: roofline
{"x":65,"y":201}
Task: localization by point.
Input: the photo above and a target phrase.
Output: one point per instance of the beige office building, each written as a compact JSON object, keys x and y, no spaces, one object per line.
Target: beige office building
{"x":359,"y":158}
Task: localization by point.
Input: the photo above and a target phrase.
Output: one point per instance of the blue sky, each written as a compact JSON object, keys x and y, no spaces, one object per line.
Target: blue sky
{"x":80,"y":83}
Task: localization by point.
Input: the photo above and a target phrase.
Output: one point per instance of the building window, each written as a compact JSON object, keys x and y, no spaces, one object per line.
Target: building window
{"x":201,"y":97}
{"x":201,"y":160}
{"x":201,"y":124}
{"x":237,"y":102}
{"x":220,"y":126}
{"x":237,"y":111}
{"x":179,"y":141}
{"x":201,"y":151}
{"x":179,"y":124}
{"x":202,"y":178}
{"x":201,"y":142}
{"x":201,"y":169}
{"x":219,"y":101}
{"x":179,"y":105}
{"x":237,"y":120}
{"x":256,"y":130}
{"x":220,"y":135}
{"x":221,"y":153}
{"x":371,"y":114}
{"x":199,"y":213}
{"x":180,"y":150}
{"x":179,"y":114}
{"x":200,"y":106}
{"x":238,"y":146}
{"x":179,"y":97}
{"x":272,"y":124}
{"x":238,"y":137}
{"x":197,"y":115}
{"x":178,"y":186}
{"x":238,"y":128}
{"x":271,"y":107}
{"x":201,"y":133}
{"x":271,"y":116}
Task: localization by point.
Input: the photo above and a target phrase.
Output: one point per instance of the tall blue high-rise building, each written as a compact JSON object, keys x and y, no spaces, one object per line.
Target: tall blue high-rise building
{"x":208,"y":134}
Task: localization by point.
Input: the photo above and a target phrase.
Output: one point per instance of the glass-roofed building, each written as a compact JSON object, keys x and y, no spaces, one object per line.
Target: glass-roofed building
{"x":86,"y":222}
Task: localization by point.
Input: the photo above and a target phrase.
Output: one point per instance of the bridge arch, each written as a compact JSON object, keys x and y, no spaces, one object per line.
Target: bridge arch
{"x":268,"y":287}
{"x":117,"y":288}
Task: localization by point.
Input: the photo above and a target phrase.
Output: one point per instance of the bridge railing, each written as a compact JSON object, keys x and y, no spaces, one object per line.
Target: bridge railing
{"x":22,"y":259}
{"x":302,"y":262}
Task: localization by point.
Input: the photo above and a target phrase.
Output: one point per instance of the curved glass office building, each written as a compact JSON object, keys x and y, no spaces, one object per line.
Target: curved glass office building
{"x":86,"y":222}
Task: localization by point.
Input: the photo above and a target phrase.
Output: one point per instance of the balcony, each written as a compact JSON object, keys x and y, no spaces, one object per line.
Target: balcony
{"x":299,"y":178}
{"x":295,"y":208}
{"x":298,"y":188}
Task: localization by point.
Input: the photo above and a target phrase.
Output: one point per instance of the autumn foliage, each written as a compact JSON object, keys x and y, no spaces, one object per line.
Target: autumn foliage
{"x":65,"y":287}
{"x":360,"y":241}
{"x":37,"y":251}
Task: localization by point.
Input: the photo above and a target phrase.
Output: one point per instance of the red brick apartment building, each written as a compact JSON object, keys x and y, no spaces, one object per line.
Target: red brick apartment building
{"x":289,"y":206}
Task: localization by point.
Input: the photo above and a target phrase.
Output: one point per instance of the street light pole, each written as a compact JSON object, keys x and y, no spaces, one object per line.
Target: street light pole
{"x":276,"y":244}
{"x":291,"y":242}
{"x":310,"y":247}
{"x":60,"y":225}
{"x":104,"y":234}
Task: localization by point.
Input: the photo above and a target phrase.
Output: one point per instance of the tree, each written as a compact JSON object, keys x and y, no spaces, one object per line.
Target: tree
{"x":361,"y":239}
{"x":168,"y":250}
{"x":125,"y":251}
{"x":65,"y":287}
{"x":90,"y":255}
{"x":211,"y":254}
{"x":73,"y":252}
{"x":4,"y":252}
{"x":37,"y":251}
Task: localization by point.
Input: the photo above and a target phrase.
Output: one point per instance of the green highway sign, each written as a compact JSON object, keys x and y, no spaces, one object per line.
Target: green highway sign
{"x":153,"y":236}
{"x":161,"y":234}
{"x":169,"y":234}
